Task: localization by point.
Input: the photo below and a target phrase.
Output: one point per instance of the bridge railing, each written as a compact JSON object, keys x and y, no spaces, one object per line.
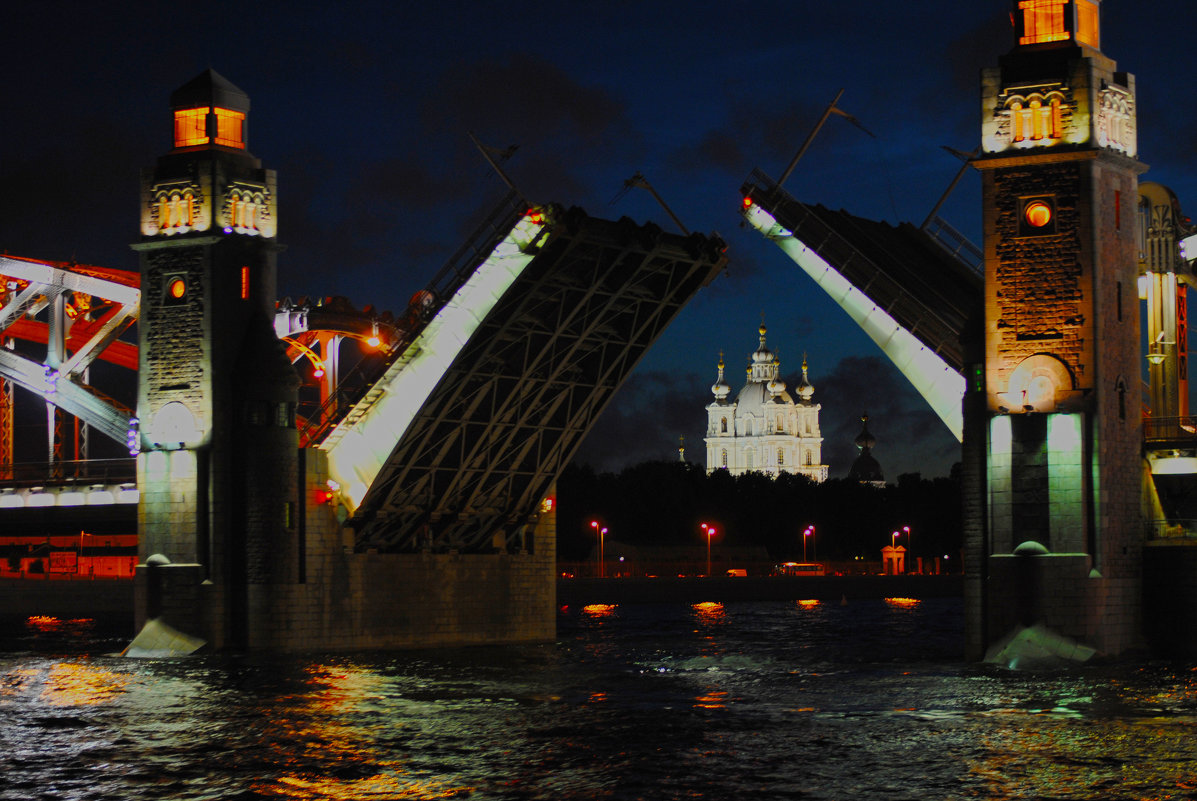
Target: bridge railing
{"x":1169,"y":428}
{"x":939,"y":334}
{"x":957,"y":244}
{"x":1171,"y":529}
{"x":86,"y":471}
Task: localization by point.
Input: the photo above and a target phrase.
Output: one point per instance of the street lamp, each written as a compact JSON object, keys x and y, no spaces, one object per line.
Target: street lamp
{"x":710,"y":532}
{"x":809,"y":530}
{"x":909,"y":542}
{"x":602,"y":532}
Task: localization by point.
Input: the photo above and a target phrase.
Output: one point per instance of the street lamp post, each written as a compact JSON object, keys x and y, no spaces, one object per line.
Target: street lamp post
{"x":909,"y":542}
{"x":710,"y":532}
{"x":602,"y":533}
{"x":805,"y":534}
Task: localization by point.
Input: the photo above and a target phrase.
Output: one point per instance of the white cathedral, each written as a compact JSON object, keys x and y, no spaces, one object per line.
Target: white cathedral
{"x":764,"y":429}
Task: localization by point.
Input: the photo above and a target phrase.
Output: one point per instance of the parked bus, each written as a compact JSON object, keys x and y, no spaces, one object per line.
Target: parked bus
{"x":799,"y":569}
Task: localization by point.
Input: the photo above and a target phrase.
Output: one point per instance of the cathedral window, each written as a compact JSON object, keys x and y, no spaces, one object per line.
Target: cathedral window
{"x":781,"y":457}
{"x":723,"y":458}
{"x":809,"y":459}
{"x":780,"y":425}
{"x":748,"y":459}
{"x":723,"y":430}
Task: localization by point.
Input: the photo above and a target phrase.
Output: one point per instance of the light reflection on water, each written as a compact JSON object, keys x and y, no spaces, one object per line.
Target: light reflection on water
{"x":752,"y":700}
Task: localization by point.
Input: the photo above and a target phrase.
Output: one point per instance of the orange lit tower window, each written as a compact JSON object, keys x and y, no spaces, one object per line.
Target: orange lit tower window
{"x":191,"y":127}
{"x":230,"y":126}
{"x":1043,"y":21}
{"x":1088,"y":29}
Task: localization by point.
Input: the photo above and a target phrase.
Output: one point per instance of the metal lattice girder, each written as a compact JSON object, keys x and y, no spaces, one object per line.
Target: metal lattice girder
{"x":507,"y":415}
{"x":71,"y":345}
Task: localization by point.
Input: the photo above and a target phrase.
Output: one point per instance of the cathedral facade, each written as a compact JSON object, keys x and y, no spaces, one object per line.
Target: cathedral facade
{"x":765,"y":429}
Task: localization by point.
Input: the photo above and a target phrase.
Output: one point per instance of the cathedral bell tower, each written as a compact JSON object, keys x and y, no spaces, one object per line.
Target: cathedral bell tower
{"x":216,"y":398}
{"x":1056,"y":400}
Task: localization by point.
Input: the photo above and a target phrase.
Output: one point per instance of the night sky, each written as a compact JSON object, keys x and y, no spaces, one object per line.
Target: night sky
{"x":364,"y":110}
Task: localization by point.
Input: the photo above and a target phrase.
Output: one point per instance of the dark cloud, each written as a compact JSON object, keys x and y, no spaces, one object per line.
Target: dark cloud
{"x":720,"y":150}
{"x":74,"y":203}
{"x":978,"y":47}
{"x":645,"y":420}
{"x":910,"y":437}
{"x":525,"y":97}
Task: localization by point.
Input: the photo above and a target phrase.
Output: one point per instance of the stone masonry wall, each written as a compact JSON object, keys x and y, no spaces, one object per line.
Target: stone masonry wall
{"x":353,"y":601}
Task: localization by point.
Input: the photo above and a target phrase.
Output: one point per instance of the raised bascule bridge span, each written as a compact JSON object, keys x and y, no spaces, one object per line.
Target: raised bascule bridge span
{"x":457,"y":443}
{"x":919,"y":297}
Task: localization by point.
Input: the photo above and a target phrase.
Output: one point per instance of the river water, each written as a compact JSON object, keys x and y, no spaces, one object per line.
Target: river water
{"x":773,"y":700}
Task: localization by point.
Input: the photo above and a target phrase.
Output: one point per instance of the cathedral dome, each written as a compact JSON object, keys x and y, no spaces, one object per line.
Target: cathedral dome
{"x":721,"y":388}
{"x":866,"y":469}
{"x":865,"y":440}
{"x":762,"y":355}
{"x":805,"y":389}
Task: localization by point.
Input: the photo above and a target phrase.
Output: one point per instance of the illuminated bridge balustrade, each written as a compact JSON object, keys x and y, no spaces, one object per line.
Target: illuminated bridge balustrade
{"x":1170,"y":429}
{"x":1171,"y":529}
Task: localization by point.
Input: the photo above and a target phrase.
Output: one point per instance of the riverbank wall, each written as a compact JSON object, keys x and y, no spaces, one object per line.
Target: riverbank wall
{"x":581,"y":591}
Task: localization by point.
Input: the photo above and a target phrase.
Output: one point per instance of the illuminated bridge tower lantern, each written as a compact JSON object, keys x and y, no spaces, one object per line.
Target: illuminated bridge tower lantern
{"x":217,"y":468}
{"x":1055,"y":535}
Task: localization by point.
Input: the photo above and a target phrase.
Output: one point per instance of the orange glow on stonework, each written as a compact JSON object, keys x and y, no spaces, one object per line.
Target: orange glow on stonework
{"x":244,"y":283}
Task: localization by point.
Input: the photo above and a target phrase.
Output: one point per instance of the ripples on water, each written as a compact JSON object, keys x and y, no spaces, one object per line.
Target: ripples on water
{"x":752,"y":700}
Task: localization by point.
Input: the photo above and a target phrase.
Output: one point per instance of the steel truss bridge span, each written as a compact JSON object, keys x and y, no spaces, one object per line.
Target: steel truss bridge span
{"x":87,"y":309}
{"x":917,"y":300}
{"x":457,"y":445}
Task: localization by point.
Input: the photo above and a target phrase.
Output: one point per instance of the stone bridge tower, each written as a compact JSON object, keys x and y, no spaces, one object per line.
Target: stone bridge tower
{"x":216,"y":400}
{"x":1053,"y":409}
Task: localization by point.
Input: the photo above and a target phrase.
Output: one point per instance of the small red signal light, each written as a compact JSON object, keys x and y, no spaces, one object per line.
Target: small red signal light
{"x":747,"y":202}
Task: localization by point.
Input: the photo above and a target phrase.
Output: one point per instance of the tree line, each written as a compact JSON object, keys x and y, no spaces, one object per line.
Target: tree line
{"x":666,"y":503}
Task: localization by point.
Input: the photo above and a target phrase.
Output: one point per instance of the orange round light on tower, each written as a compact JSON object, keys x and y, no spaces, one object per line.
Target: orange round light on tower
{"x":1037,"y":213}
{"x":177,"y":288}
